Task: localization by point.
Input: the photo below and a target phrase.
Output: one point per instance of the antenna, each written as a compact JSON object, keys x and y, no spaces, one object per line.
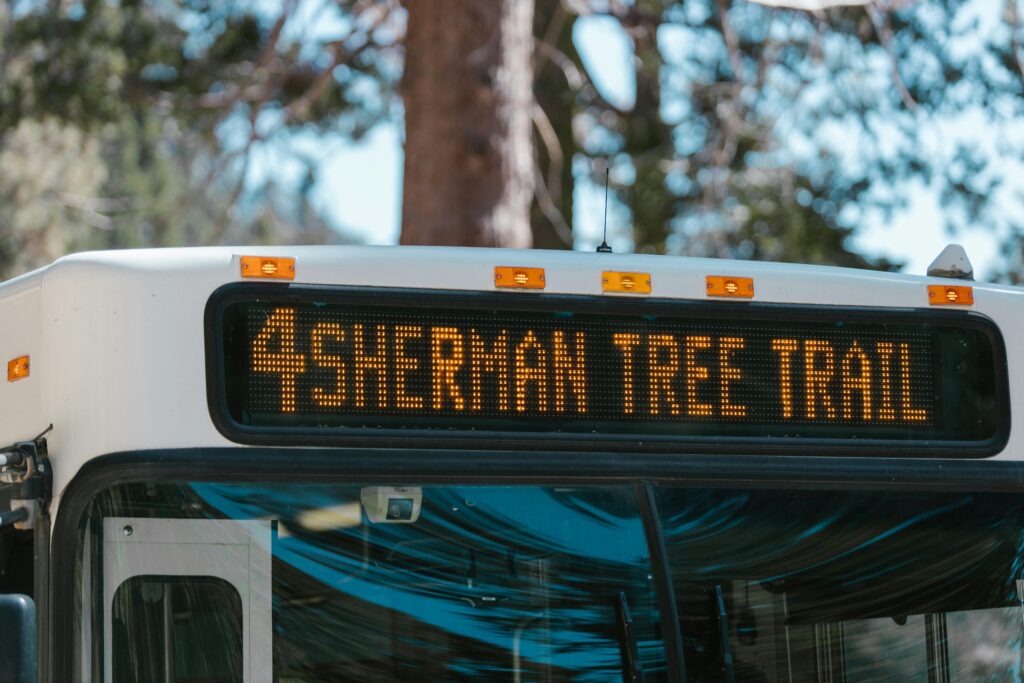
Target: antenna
{"x":603,"y":248}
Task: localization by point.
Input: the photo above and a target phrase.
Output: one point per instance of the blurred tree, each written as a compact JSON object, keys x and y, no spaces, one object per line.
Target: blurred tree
{"x":164,"y":105}
{"x":706,"y":151}
{"x":646,"y":135}
{"x":467,"y":91}
{"x":1013,"y":254}
{"x":200,"y":61}
{"x":755,"y":131}
{"x":779,"y":216}
{"x":48,"y":170}
{"x":557,"y":85}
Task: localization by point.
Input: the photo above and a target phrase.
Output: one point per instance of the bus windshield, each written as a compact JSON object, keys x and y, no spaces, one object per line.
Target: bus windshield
{"x":201,"y":581}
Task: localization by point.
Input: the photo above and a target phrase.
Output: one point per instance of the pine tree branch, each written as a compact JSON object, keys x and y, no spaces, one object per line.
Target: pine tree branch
{"x":551,"y":144}
{"x":880,"y":20}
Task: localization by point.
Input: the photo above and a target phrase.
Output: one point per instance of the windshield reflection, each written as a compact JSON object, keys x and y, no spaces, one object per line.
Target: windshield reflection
{"x":845,"y":585}
{"x":488,"y":582}
{"x":536,"y":583}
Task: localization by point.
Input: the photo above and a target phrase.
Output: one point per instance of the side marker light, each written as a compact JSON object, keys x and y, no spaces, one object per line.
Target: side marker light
{"x":950,"y":295}
{"x":513,"y":277}
{"x":723,"y":285}
{"x":268,"y":267}
{"x":626,"y":283}
{"x":17,"y":368}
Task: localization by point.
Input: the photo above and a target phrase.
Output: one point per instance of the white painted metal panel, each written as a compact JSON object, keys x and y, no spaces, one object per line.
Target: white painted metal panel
{"x":117,"y":338}
{"x":237,"y":551}
{"x":21,"y":409}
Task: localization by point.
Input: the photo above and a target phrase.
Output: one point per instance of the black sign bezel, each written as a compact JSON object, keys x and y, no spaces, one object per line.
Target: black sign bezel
{"x":537,"y":440}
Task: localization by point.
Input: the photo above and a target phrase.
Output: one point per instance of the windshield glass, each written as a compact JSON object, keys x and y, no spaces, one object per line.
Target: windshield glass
{"x":310,"y":582}
{"x":369,"y":583}
{"x":846,"y":586}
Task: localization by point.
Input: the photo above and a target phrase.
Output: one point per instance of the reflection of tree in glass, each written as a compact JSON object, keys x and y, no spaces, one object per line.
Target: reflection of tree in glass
{"x":488,"y":580}
{"x":869,"y":577}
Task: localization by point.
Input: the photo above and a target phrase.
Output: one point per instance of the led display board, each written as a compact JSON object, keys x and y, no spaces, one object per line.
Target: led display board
{"x":334,"y":362}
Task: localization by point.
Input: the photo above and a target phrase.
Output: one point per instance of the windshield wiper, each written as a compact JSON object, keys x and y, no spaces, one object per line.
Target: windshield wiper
{"x":722,"y":620}
{"x":632,"y":671}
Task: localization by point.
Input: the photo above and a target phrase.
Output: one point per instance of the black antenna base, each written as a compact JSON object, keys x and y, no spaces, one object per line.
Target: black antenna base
{"x":603,"y":248}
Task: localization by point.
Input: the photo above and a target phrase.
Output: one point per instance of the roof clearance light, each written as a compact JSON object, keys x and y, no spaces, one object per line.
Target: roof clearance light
{"x":950,"y":295}
{"x":513,"y":277}
{"x":268,"y":267}
{"x":722,"y":285}
{"x":628,"y":283}
{"x":17,"y":368}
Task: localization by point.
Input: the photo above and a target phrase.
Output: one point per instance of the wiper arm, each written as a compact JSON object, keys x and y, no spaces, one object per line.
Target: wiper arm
{"x":632,"y":671}
{"x":722,"y":620}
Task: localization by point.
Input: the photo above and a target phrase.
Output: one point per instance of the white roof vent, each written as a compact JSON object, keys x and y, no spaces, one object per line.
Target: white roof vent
{"x":952,"y":262}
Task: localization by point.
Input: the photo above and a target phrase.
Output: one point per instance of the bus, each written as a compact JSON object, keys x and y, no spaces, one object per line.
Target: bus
{"x":299,"y":464}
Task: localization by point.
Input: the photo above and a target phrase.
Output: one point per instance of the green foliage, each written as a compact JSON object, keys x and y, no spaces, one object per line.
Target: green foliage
{"x":786,"y":222}
{"x":773,"y":133}
{"x":129,"y":124}
{"x":95,"y":62}
{"x":49,"y":172}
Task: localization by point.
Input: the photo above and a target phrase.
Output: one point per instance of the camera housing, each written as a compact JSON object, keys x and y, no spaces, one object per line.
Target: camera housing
{"x":392,"y":504}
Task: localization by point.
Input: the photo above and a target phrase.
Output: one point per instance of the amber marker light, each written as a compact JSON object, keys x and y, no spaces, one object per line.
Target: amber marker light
{"x":725,"y":285}
{"x":627,"y":283}
{"x":17,"y":368}
{"x":515,"y":277}
{"x":950,"y":295}
{"x":268,"y":267}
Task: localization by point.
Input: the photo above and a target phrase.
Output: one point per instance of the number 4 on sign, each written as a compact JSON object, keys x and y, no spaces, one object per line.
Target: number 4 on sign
{"x":273,"y":351}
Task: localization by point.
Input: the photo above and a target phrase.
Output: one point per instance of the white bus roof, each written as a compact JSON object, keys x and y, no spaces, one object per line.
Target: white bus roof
{"x":116,"y":338}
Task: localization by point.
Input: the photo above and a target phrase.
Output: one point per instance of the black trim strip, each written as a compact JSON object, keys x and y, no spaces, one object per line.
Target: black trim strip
{"x":484,"y":440}
{"x":427,"y":466}
{"x":663,"y":580}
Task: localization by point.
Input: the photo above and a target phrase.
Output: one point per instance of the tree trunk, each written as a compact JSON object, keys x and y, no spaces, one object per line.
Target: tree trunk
{"x":467,"y":88}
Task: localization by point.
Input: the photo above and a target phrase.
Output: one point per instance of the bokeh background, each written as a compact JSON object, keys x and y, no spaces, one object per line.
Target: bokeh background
{"x":864,"y":134}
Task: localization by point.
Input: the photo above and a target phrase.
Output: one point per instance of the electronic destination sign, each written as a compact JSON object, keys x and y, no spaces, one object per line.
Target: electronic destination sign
{"x":326,"y":362}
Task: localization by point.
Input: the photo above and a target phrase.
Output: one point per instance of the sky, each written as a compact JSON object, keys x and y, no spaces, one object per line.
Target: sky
{"x":360,"y":183}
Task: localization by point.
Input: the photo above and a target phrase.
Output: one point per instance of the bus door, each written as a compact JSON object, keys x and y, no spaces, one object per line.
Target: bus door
{"x":186,"y":600}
